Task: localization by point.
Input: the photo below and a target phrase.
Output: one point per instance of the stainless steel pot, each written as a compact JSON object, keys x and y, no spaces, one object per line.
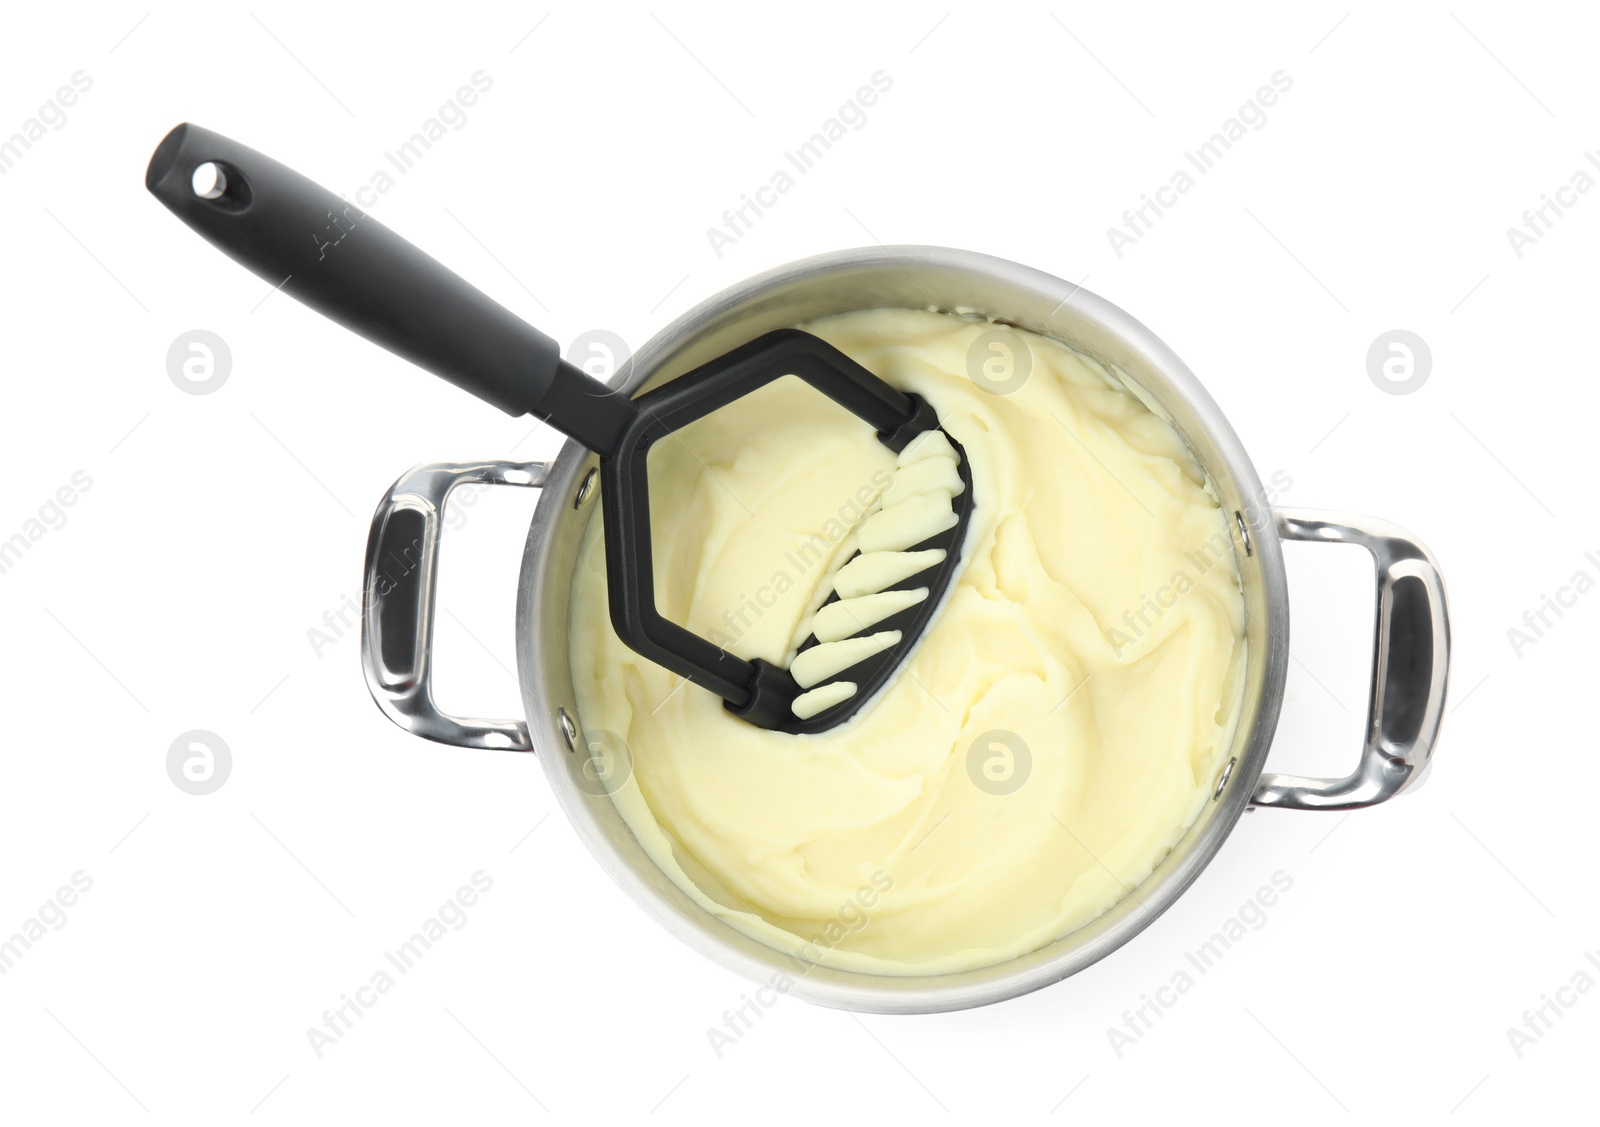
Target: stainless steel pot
{"x":1412,"y":632}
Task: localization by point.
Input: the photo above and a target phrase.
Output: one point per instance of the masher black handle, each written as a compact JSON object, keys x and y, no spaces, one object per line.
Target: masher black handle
{"x":329,"y":254}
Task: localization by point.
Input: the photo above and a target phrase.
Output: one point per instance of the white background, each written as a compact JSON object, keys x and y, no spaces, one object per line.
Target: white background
{"x":220,"y":528}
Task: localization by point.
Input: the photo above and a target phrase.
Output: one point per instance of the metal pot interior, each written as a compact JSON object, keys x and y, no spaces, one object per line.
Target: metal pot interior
{"x":949,"y":281}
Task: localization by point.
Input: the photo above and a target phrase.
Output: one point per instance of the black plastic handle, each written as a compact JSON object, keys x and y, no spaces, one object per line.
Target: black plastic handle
{"x":328,"y":253}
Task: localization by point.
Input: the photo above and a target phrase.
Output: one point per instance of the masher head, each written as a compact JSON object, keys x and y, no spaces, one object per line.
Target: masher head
{"x":759,"y":691}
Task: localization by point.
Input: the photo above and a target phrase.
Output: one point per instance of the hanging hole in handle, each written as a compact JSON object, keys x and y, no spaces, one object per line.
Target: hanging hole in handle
{"x":209,"y":181}
{"x":220,"y":184}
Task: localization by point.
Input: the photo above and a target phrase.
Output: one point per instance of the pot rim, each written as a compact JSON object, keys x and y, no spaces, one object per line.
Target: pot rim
{"x":1262,"y":574}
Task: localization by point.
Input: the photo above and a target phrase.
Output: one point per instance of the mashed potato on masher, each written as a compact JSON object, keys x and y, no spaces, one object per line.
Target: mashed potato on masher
{"x":1054,"y":732}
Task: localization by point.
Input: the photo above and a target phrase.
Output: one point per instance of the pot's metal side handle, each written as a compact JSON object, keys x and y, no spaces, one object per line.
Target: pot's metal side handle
{"x":398,"y":602}
{"x":1410,"y":668}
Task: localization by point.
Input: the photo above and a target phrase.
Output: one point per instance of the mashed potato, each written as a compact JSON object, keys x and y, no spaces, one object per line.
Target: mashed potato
{"x":1052,"y":735}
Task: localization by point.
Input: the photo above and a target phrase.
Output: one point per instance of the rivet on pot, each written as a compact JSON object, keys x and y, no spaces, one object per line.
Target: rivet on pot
{"x":1222,"y":780}
{"x":1244,"y":531}
{"x":585,"y":488}
{"x":569,"y":730}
